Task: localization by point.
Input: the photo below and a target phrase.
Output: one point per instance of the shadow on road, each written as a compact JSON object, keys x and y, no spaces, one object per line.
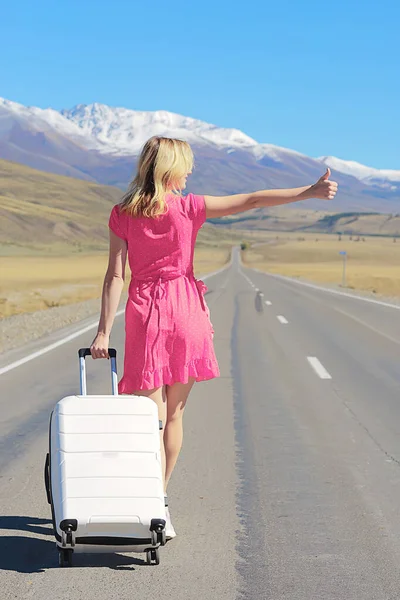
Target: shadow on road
{"x":31,"y":524}
{"x":36,"y":555}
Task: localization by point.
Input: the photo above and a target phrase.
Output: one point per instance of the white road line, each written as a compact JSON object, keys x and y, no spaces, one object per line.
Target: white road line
{"x":268,"y":303}
{"x":318,"y":368}
{"x":328,"y":290}
{"x":46,"y":349}
{"x":72,"y":336}
{"x":282,"y":319}
{"x":246,"y":278}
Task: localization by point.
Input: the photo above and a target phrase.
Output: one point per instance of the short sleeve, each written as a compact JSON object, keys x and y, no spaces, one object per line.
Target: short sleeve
{"x":197,"y":209}
{"x":115,"y":222}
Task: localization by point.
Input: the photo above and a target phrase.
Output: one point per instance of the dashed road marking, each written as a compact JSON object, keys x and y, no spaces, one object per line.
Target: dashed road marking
{"x":282,"y":320}
{"x":318,"y":367}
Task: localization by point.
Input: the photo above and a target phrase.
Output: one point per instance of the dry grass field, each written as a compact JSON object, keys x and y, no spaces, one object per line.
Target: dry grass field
{"x":31,"y":283}
{"x":37,"y":282}
{"x":372,"y":265}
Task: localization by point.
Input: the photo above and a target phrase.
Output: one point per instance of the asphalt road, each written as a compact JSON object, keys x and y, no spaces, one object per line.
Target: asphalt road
{"x":288,"y":485}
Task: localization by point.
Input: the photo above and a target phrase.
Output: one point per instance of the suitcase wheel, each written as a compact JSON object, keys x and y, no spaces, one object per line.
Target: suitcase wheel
{"x":153,"y":556}
{"x":154,"y":538}
{"x":158,"y":538}
{"x":158,"y":534}
{"x":65,"y":557}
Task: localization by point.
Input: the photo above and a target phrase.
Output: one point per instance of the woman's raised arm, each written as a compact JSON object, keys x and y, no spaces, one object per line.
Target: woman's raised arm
{"x":221,"y":206}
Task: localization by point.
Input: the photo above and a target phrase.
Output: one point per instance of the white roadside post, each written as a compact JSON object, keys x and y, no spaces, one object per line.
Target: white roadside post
{"x":344,"y":254}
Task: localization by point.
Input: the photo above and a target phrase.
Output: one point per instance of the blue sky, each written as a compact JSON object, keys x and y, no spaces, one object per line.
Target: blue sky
{"x":319,"y":77}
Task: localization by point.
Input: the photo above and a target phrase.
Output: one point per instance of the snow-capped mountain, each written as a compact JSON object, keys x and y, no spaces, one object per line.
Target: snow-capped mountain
{"x":123,"y":131}
{"x":361,"y":172}
{"x":101,"y":144}
{"x":39,"y":119}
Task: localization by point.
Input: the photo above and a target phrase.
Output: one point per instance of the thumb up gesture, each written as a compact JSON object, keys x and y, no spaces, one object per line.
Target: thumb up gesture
{"x":324,"y":188}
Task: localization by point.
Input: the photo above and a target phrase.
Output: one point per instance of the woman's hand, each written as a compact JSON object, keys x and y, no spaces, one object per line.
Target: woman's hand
{"x":324,"y":189}
{"x":99,"y":346}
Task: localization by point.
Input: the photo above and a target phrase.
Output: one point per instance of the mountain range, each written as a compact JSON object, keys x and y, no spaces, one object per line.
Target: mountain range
{"x":99,"y":143}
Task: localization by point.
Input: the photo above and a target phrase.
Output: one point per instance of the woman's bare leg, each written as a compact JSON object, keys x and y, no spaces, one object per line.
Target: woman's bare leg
{"x":160,"y":398}
{"x":177,"y":395}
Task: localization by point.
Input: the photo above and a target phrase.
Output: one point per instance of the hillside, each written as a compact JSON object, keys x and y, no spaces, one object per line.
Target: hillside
{"x":291,"y":219}
{"x":40,"y":210}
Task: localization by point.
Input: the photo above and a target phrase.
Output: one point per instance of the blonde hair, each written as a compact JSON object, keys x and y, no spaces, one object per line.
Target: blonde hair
{"x":162,"y":163}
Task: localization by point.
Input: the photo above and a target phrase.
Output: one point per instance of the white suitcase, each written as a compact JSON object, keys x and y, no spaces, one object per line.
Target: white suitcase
{"x":103,"y":473}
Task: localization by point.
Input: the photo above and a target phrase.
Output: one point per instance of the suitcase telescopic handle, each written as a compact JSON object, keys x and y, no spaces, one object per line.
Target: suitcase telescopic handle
{"x":83,"y":353}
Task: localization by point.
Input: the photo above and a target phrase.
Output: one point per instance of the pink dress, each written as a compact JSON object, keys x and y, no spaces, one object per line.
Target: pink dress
{"x":168,"y":332}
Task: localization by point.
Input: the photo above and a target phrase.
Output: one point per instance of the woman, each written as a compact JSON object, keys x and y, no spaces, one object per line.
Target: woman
{"x":169,"y":336}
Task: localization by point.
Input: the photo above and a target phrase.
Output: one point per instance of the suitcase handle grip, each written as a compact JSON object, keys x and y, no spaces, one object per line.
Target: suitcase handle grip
{"x":82,"y":353}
